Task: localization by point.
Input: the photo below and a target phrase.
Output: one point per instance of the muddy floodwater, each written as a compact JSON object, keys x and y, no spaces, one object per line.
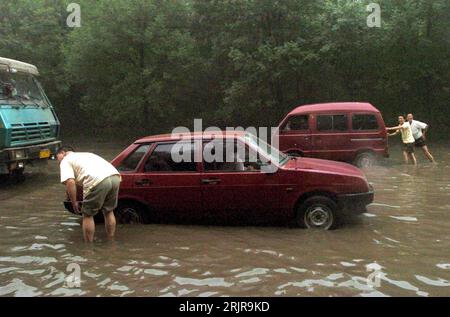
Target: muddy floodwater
{"x":400,"y":247}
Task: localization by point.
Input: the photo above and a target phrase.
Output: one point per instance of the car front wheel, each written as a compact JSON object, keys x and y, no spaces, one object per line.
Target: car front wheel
{"x":317,"y":212}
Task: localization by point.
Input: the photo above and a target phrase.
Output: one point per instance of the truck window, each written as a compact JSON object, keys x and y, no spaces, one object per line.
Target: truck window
{"x":364,"y":122}
{"x":130,"y":163}
{"x":297,"y":123}
{"x":172,"y":157}
{"x":332,"y":122}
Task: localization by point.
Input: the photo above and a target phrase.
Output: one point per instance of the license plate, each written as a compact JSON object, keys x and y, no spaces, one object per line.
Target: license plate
{"x":44,"y":154}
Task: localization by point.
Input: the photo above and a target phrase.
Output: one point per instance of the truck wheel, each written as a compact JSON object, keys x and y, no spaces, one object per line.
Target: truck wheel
{"x":317,"y":212}
{"x":131,"y":213}
{"x":17,"y":176}
{"x":365,"y":160}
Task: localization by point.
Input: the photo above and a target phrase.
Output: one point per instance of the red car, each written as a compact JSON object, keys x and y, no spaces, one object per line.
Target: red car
{"x":258,"y":183}
{"x":344,"y":131}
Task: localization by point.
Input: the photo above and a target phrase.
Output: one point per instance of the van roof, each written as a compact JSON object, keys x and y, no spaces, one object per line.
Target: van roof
{"x":19,"y":66}
{"x":334,"y":106}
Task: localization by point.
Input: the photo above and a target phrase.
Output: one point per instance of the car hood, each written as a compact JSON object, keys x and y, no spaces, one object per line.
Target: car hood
{"x":327,"y":166}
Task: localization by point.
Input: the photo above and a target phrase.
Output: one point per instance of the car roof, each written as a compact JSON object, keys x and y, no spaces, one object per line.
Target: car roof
{"x":19,"y":66}
{"x":190,"y":135}
{"x":334,"y":106}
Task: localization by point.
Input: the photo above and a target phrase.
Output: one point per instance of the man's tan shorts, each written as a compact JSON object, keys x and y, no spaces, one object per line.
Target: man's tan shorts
{"x":103,"y":197}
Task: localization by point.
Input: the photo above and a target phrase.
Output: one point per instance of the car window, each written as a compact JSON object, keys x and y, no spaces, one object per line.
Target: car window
{"x":132,"y":160}
{"x":364,"y":122}
{"x":297,"y":123}
{"x":172,"y":157}
{"x":229,"y":156}
{"x":332,"y":122}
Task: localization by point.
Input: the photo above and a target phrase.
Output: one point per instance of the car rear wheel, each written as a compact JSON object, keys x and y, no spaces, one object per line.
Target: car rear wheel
{"x":131,"y":213}
{"x":318,"y":212}
{"x":365,"y":160}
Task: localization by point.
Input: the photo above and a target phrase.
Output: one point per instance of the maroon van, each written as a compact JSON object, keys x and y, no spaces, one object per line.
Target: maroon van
{"x":341,"y":131}
{"x":271,"y":187}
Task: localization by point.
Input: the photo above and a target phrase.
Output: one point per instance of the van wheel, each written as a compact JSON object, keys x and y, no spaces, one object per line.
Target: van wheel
{"x":317,"y":212}
{"x":131,"y":213}
{"x":365,"y":159}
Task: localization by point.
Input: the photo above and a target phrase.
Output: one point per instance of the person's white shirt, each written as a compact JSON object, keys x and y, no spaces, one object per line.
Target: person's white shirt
{"x":87,"y":169}
{"x":416,"y":128}
{"x":406,"y":131}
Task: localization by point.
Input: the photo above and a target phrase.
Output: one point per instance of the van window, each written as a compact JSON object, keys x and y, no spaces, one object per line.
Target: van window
{"x":131,"y":161}
{"x":172,"y":157}
{"x":332,"y":122}
{"x":297,"y":123}
{"x":364,"y":122}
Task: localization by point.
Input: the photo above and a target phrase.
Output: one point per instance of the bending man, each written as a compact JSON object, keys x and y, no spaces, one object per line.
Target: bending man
{"x":100,"y":181}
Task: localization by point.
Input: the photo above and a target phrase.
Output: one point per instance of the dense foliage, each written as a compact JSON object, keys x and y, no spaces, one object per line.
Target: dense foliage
{"x":138,"y":67}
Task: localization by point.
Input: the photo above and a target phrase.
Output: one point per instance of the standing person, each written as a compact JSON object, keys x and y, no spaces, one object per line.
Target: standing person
{"x":100,"y":181}
{"x":408,"y":140}
{"x":419,"y":130}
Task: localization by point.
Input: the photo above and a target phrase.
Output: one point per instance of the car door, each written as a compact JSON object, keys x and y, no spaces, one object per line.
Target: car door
{"x":170,"y":186}
{"x":236,"y":188}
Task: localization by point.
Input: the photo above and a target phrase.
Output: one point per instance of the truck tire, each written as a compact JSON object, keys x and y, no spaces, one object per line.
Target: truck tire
{"x":318,"y":212}
{"x":17,"y":176}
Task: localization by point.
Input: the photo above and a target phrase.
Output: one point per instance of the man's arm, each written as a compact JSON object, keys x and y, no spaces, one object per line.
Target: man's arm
{"x":397,"y":128}
{"x":71,"y":189}
{"x":424,"y":131}
{"x":395,"y":133}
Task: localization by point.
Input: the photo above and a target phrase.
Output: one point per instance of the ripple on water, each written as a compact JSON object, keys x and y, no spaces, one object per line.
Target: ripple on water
{"x":211,"y":282}
{"x":28,"y":259}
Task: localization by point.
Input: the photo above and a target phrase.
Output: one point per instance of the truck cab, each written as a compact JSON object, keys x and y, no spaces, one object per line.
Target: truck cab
{"x":29,"y":127}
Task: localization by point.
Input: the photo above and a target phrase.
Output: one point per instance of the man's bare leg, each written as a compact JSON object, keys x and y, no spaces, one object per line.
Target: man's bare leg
{"x":110,"y":224}
{"x":405,"y":157}
{"x":427,"y":153}
{"x":414,"y":158}
{"x":88,"y":228}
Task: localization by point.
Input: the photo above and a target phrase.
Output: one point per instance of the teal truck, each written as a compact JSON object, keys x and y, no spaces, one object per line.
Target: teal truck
{"x":29,"y":127}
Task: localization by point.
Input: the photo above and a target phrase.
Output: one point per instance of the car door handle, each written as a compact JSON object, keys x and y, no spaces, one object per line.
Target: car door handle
{"x":142,"y":182}
{"x":211,"y":181}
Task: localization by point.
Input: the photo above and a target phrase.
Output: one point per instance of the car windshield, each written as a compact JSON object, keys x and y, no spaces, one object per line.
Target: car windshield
{"x":20,"y":88}
{"x":266,"y":149}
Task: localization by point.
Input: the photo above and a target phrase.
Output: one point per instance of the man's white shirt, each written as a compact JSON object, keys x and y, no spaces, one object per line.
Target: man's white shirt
{"x":416,"y":128}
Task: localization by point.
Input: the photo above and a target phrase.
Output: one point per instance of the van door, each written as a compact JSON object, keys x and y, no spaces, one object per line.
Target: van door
{"x":295,"y":135}
{"x":330,"y":138}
